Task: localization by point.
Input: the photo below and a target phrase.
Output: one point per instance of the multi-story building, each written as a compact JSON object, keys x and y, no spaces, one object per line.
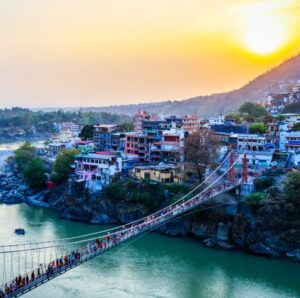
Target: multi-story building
{"x":291,"y":118}
{"x":158,"y":125}
{"x":53,"y":149}
{"x":257,"y":159}
{"x":275,"y":103}
{"x":171,"y":147}
{"x":102,"y":136}
{"x":292,"y":143}
{"x":251,"y":142}
{"x":69,"y":126}
{"x":85,"y":146}
{"x":137,"y":144}
{"x":229,"y":127}
{"x":155,"y":147}
{"x":216,"y":120}
{"x":118,"y":141}
{"x":97,"y":169}
{"x":191,"y":123}
{"x":140,"y":117}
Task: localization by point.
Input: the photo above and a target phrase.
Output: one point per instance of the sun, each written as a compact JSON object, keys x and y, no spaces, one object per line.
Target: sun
{"x":264,"y":34}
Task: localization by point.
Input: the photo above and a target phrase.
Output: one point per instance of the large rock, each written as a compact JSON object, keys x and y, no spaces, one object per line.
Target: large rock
{"x":223,"y":231}
{"x":101,"y":219}
{"x":295,"y":255}
{"x":262,"y":249}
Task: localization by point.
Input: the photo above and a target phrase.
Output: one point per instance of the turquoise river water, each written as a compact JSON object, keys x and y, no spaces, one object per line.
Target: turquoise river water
{"x":153,"y":266}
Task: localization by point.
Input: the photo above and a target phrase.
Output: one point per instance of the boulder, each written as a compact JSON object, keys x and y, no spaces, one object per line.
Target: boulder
{"x":260,"y":248}
{"x":101,"y":219}
{"x":223,"y":231}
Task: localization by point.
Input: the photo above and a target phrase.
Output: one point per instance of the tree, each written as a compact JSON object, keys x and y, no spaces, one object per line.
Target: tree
{"x":62,"y":164}
{"x":258,"y":128}
{"x":253,"y":109}
{"x":292,"y":108}
{"x":125,"y":126}
{"x":87,"y":132}
{"x":34,"y":173}
{"x":268,"y":119}
{"x":296,"y":127}
{"x":292,"y":186}
{"x":24,"y":155}
{"x":201,"y":151}
{"x":234,"y":117}
{"x":280,"y":118}
{"x":291,"y":191}
{"x":255,"y":198}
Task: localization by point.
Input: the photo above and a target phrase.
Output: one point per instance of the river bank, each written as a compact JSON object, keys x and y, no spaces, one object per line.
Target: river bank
{"x":227,"y":223}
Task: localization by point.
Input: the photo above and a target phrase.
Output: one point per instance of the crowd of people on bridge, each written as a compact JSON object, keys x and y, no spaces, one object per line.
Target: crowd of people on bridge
{"x":99,"y":245}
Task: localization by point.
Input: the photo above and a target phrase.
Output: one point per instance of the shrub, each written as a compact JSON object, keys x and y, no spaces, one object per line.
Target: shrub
{"x":264,"y":182}
{"x":255,"y":198}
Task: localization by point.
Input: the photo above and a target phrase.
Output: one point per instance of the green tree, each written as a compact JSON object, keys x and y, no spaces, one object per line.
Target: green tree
{"x":292,"y":186}
{"x":253,"y":109}
{"x":291,"y":191}
{"x":87,"y":132}
{"x":234,"y":117}
{"x":296,"y":127}
{"x":24,"y":155}
{"x":34,"y":173}
{"x":62,"y":164}
{"x":255,"y":198}
{"x":258,"y":128}
{"x":125,"y":126}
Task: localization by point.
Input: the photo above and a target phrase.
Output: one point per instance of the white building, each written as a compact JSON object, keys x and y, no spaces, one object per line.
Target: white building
{"x":292,"y":141}
{"x":257,"y":159}
{"x":216,"y":120}
{"x":172,"y":144}
{"x":283,"y":130}
{"x":73,"y":128}
{"x":291,"y":118}
{"x":251,"y":142}
{"x":97,"y":169}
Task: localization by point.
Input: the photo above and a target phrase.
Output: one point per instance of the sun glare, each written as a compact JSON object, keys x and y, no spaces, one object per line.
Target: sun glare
{"x":264,"y":34}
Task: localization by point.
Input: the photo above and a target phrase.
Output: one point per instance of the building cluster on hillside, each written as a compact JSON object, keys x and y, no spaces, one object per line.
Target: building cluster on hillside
{"x":276,"y":102}
{"x":154,"y":150}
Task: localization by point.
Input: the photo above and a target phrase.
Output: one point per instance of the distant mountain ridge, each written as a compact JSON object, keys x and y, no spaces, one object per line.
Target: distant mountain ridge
{"x":274,"y":80}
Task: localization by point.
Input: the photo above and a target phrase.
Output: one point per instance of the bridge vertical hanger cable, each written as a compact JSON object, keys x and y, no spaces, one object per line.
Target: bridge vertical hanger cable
{"x":19,"y":260}
{"x":11,"y":267}
{"x":4,"y":270}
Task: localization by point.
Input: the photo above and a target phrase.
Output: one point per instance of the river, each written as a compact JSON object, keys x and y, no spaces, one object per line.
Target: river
{"x":153,"y":266}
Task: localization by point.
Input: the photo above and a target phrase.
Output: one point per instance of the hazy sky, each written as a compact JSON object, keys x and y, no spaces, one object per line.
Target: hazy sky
{"x":94,"y":53}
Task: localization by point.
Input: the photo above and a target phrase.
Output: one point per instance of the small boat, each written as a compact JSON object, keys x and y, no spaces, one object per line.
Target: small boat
{"x":20,"y":231}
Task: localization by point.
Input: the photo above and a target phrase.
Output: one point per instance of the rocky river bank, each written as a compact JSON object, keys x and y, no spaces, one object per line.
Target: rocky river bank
{"x":228,"y":222}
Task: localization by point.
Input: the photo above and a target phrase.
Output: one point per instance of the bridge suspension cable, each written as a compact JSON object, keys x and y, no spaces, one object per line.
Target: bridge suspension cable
{"x":102,"y":232}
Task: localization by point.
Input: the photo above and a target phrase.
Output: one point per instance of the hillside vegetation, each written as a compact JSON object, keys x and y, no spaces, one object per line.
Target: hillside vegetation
{"x":288,"y":72}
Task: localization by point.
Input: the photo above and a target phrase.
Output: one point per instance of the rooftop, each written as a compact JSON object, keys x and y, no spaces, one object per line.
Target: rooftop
{"x":159,"y":167}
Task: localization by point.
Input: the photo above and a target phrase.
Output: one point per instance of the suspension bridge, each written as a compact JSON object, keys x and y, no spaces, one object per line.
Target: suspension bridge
{"x":30,"y":265}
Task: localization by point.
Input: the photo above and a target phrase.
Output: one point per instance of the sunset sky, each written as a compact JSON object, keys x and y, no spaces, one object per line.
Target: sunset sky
{"x":96,"y":53}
